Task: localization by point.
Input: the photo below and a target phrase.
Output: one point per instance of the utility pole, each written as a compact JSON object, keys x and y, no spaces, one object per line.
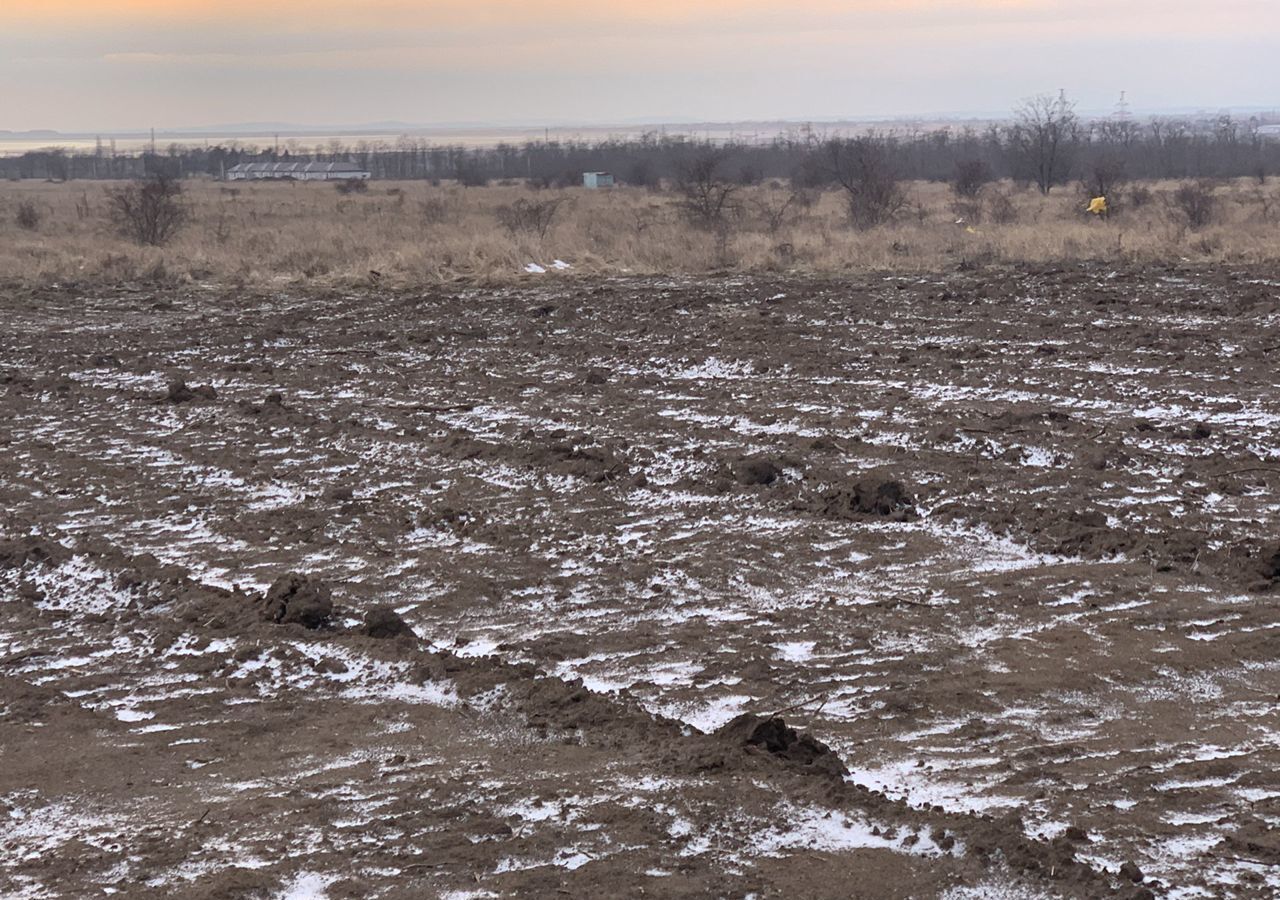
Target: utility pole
{"x":1122,"y":107}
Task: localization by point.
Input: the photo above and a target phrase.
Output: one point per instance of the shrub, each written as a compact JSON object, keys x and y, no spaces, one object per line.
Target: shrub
{"x":776,"y":206}
{"x":1139,"y":196}
{"x":1000,"y":208}
{"x":1197,"y":204}
{"x":968,"y":211}
{"x":436,"y":211}
{"x":641,"y":174}
{"x":705,"y":197}
{"x":1105,"y":178}
{"x":863,"y":168}
{"x":470,"y":173}
{"x":970,"y":177}
{"x":528,"y":216}
{"x":346,"y":186}
{"x":149,"y":211}
{"x":28,"y":216}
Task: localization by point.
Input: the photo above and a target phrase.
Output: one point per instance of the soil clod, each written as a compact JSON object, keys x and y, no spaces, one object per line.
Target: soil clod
{"x":1131,"y":872}
{"x":755,"y":471}
{"x":179,"y":392}
{"x":869,"y":497}
{"x":297,"y":599}
{"x":773,"y":735}
{"x":384,"y":623}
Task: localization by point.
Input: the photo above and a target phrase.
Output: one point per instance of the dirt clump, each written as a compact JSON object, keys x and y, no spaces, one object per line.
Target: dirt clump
{"x":340,"y":493}
{"x":297,"y":599}
{"x":755,"y":470}
{"x":384,"y":623}
{"x":1267,"y":567}
{"x":17,"y":552}
{"x":591,"y":463}
{"x":775,"y":737}
{"x":179,"y":392}
{"x":272,"y":405}
{"x":886,"y":497}
{"x":1131,"y":872}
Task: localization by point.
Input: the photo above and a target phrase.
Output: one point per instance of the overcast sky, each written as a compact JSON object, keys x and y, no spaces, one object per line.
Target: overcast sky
{"x":102,"y":65}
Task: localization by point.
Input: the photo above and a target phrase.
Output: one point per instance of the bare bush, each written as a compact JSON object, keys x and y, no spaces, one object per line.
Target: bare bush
{"x":775,"y":207}
{"x":1139,"y":196}
{"x":863,"y":168}
{"x":967,"y":211}
{"x":436,"y":211}
{"x":347,"y":186}
{"x":1105,"y":177}
{"x":470,"y":173}
{"x":528,"y":216}
{"x":222,"y":225}
{"x":642,"y":174}
{"x":970,"y":177}
{"x":150,"y":211}
{"x":705,"y":197}
{"x":1196,"y":203}
{"x":28,"y":217}
{"x":1001,"y":209}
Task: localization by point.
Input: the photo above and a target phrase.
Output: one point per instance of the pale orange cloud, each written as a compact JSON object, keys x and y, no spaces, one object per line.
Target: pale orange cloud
{"x":1188,"y":17}
{"x":476,"y":12}
{"x":178,"y":60}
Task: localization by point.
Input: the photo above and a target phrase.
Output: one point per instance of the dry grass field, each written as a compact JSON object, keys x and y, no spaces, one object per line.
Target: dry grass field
{"x":414,"y":232}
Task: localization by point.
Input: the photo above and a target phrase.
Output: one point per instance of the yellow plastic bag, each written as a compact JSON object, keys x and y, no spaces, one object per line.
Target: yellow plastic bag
{"x":1098,"y":206}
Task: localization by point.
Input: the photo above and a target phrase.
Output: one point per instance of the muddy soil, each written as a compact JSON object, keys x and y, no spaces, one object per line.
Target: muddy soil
{"x":962,"y":586}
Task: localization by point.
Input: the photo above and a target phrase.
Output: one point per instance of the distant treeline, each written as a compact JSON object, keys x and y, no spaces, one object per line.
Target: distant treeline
{"x":1122,"y":148}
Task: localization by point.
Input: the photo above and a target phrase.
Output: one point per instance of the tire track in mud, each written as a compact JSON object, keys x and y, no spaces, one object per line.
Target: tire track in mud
{"x":162,"y":676}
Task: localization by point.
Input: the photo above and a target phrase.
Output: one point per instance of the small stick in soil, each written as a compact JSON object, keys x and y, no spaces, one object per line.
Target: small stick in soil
{"x":825,"y":698}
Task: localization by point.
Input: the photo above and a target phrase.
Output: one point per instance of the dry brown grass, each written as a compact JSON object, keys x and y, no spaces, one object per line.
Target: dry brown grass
{"x":413,"y":232}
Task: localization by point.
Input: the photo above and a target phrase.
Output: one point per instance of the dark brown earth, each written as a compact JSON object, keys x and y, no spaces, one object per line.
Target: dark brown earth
{"x":960,"y":586}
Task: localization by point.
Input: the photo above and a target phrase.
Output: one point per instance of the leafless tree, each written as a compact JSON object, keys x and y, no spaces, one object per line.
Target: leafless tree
{"x":863,"y":168}
{"x":149,"y":211}
{"x":1043,"y":138}
{"x":705,"y":196}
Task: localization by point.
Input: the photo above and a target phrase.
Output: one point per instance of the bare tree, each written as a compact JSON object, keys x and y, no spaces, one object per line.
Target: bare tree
{"x":150,"y":211}
{"x":1043,"y":138}
{"x":864,"y":170}
{"x":705,"y":196}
